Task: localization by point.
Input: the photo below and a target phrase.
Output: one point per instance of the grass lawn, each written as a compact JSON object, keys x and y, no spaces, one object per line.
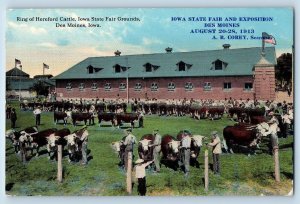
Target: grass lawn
{"x":240,"y":174}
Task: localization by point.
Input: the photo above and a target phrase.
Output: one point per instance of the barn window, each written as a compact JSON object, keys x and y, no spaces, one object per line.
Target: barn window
{"x":94,"y":87}
{"x":69,"y":86}
{"x":227,"y":85}
{"x":188,"y":86}
{"x":81,"y":87}
{"x":248,"y":86}
{"x":148,"y":67}
{"x":122,"y":87}
{"x":207,"y":86}
{"x":117,"y":68}
{"x":90,"y":69}
{"x":181,"y":66}
{"x":154,"y":86}
{"x":218,"y":65}
{"x":138,"y":87}
{"x":171,"y":86}
{"x":107,"y":87}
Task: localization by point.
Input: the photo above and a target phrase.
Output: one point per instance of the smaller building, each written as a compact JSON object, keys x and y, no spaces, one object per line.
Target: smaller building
{"x":20,"y":85}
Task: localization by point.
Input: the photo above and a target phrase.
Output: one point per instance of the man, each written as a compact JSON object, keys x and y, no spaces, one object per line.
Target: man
{"x":216,"y":151}
{"x":13,"y":118}
{"x":140,"y":175}
{"x":84,"y":148}
{"x":186,"y":151}
{"x":37,"y":113}
{"x":141,"y":119}
{"x":156,"y":150}
{"x":129,"y":141}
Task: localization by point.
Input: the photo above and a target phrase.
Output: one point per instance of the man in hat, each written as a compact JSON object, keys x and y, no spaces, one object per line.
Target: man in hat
{"x":84,"y":139}
{"x":13,"y":118}
{"x":216,"y":151}
{"x":185,"y":150}
{"x":37,"y":113}
{"x":129,"y":141}
{"x":141,"y":119}
{"x":156,"y":149}
{"x":140,"y":175}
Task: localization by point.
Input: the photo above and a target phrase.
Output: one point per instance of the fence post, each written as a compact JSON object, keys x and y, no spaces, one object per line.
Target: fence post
{"x":59,"y":163}
{"x":129,"y":173}
{"x":206,"y":180}
{"x":276,"y":162}
{"x":23,"y":152}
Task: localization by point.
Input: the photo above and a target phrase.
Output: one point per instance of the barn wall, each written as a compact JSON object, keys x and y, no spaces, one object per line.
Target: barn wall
{"x":264,"y":83}
{"x":217,"y":92}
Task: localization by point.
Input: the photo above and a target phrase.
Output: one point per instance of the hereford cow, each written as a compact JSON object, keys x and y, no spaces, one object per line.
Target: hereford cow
{"x":55,"y":139}
{"x":36,"y":141}
{"x":145,"y":149}
{"x":82,"y":117}
{"x":111,"y":117}
{"x":245,"y":135}
{"x":74,"y":143}
{"x":127,"y":118}
{"x":170,"y":148}
{"x":15,"y":135}
{"x":196,"y":144}
{"x":119,"y":147}
{"x":60,"y":116}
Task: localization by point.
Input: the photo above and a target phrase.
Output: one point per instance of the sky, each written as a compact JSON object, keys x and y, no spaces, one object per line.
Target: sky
{"x":38,"y":42}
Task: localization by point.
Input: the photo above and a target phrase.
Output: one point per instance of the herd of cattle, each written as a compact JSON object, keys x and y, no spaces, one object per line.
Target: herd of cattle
{"x":252,"y":125}
{"x":31,"y":139}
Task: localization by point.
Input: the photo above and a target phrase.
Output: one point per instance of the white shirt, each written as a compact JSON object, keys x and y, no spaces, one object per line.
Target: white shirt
{"x":140,"y":170}
{"x":186,"y":142}
{"x":37,"y":111}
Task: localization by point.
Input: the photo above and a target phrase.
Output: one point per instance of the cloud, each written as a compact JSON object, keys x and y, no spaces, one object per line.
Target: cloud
{"x":151,"y":41}
{"x":37,"y":31}
{"x":47,"y":45}
{"x":26,"y":28}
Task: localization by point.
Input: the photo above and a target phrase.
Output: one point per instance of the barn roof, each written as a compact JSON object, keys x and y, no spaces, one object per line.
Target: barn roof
{"x":239,"y":62}
{"x":16,"y":72}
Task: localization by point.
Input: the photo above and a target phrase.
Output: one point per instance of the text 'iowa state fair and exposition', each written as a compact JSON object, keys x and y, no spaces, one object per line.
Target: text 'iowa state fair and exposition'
{"x":225,"y":28}
{"x":78,"y":22}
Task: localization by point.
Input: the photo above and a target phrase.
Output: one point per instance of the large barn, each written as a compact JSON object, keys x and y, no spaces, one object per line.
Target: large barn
{"x":212,"y":74}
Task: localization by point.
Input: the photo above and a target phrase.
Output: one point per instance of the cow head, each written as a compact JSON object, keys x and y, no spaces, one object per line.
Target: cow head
{"x":25,"y":137}
{"x":52,"y":139}
{"x":117,"y":145}
{"x":197,"y":140}
{"x":145,"y":144}
{"x":71,"y":139}
{"x":10,"y":134}
{"x":174,"y":145}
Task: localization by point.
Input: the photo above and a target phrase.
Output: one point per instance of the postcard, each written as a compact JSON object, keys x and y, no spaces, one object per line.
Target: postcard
{"x":150,"y":102}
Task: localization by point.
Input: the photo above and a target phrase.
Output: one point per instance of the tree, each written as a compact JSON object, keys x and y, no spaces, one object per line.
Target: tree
{"x":40,"y":88}
{"x":283,"y":70}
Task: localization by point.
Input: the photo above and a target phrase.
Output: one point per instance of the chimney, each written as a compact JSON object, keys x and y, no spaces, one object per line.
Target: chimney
{"x":117,"y":53}
{"x":169,"y":50}
{"x":226,"y":46}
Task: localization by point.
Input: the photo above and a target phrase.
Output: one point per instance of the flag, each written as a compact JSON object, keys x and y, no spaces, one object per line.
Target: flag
{"x":17,"y":62}
{"x":268,"y":38}
{"x":45,"y":66}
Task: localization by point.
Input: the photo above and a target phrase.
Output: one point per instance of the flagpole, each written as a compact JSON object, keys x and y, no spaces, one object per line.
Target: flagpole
{"x":127,"y":81}
{"x":263,"y":46}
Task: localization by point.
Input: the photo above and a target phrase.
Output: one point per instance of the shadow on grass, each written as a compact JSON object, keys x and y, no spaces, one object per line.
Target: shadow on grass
{"x":9,"y":186}
{"x":288,"y":175}
{"x":170,"y":164}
